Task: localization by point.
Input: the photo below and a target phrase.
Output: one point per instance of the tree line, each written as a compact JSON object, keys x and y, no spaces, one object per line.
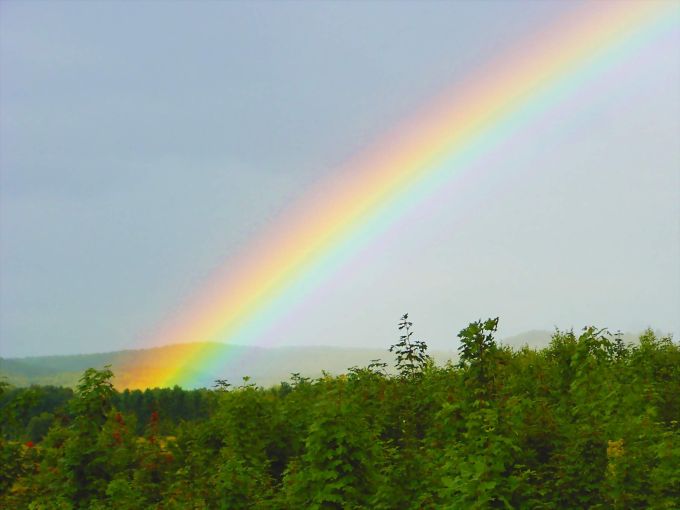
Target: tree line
{"x":28,"y":413}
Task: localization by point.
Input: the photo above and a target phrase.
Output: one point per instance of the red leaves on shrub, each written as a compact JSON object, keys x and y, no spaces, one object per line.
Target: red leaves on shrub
{"x":119,"y":419}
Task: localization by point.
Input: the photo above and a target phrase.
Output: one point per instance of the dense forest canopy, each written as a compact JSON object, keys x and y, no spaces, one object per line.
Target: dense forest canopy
{"x":588,"y":422}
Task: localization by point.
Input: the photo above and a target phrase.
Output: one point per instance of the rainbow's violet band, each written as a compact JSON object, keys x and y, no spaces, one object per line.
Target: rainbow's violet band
{"x":313,"y":239}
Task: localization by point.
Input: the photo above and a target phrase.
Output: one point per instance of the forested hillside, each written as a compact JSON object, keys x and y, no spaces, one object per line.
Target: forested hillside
{"x":590,"y":421}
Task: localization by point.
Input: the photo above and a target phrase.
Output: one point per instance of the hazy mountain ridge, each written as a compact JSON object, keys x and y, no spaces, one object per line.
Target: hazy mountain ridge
{"x":540,"y":338}
{"x":264,"y":366}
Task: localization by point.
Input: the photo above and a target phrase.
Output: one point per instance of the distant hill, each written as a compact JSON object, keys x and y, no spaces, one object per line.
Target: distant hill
{"x":540,"y":338}
{"x":536,"y":338}
{"x":264,"y":366}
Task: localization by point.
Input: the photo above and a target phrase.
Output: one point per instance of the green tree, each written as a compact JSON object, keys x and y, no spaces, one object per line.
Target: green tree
{"x":411,"y":354}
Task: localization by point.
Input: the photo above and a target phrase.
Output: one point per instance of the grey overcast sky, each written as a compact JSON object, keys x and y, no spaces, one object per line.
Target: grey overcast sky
{"x":144,"y":143}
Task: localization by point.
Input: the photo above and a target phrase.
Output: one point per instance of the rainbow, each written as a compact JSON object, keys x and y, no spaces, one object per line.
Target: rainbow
{"x":369,"y":193}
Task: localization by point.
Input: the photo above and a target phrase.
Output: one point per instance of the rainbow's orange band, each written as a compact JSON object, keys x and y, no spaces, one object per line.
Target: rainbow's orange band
{"x":472,"y":114}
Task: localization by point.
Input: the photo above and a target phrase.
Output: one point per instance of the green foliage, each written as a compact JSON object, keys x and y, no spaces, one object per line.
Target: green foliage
{"x":588,"y":422}
{"x":4,"y":386}
{"x":38,"y":426}
{"x":338,"y":467}
{"x":411,"y":354}
{"x":477,"y":348}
